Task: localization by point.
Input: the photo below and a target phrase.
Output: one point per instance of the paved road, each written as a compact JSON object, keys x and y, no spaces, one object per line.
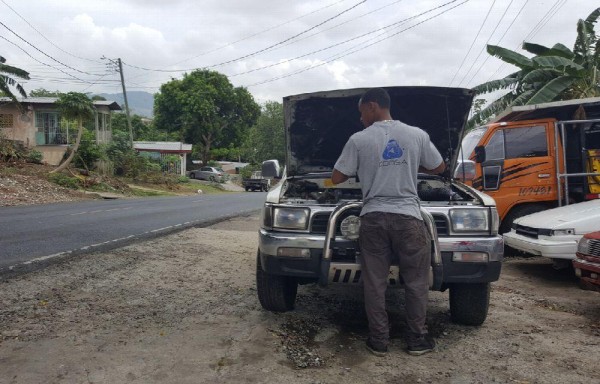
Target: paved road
{"x":34,"y":233}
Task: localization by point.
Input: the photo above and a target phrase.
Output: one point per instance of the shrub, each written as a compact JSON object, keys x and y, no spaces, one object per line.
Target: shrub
{"x":35,"y":156}
{"x":64,"y":180}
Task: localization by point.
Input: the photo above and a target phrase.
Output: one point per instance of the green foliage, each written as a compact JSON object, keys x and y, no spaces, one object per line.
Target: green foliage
{"x":64,"y":180}
{"x":266,"y":139}
{"x":89,"y":152}
{"x":35,"y":156}
{"x":246,"y":172}
{"x":226,"y":154}
{"x":75,"y":106}
{"x":556,"y":73}
{"x":7,"y":79}
{"x":41,"y":92}
{"x":205,"y":109}
{"x":10,"y":151}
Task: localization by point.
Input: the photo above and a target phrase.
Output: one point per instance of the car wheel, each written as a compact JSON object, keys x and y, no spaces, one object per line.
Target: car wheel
{"x":469,"y":303}
{"x":212,"y":178}
{"x":275,"y":293}
{"x":192,"y":175}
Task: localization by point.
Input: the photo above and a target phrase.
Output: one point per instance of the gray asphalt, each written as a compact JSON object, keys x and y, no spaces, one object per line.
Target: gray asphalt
{"x":38,"y":231}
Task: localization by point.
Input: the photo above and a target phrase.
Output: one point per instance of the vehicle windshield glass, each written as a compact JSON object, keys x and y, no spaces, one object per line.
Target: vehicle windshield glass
{"x":470,"y":142}
{"x":220,"y":169}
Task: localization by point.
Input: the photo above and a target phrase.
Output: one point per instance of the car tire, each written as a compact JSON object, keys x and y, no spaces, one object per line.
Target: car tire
{"x":275,"y":293}
{"x":212,"y":178}
{"x":469,"y":303}
{"x":192,"y":175}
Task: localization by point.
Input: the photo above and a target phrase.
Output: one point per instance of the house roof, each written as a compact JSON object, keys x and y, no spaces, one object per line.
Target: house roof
{"x":162,"y":146}
{"x":112,"y":105}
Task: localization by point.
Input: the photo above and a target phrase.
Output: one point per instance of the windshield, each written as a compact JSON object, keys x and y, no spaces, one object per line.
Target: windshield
{"x":469,"y":142}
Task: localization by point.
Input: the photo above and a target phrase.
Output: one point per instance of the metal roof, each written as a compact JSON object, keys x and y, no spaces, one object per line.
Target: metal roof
{"x":560,"y":110}
{"x":112,"y":105}
{"x":162,"y":146}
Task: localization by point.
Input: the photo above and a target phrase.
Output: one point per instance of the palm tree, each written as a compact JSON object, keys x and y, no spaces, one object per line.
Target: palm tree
{"x":7,"y":73}
{"x":556,"y":73}
{"x":74,"y":106}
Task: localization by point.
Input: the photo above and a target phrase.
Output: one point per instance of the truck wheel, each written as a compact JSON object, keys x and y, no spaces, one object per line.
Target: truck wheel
{"x":275,"y":293}
{"x":247,"y":189}
{"x":192,"y":175}
{"x":469,"y":303}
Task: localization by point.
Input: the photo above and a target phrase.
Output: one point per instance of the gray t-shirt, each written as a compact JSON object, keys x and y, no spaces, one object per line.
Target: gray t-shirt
{"x":386,"y":157}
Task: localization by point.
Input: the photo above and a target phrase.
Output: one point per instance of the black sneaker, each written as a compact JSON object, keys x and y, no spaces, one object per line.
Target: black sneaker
{"x":376,"y":348}
{"x":420,"y":345}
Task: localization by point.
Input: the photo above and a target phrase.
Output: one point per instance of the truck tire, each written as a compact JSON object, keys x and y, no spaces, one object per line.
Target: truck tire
{"x":469,"y":303}
{"x":247,"y":189}
{"x":519,"y":211}
{"x":275,"y":293}
{"x":192,"y":175}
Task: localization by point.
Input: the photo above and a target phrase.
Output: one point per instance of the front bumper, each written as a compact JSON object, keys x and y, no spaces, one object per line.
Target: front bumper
{"x":587,"y":268}
{"x":563,"y":247}
{"x":309,"y":267}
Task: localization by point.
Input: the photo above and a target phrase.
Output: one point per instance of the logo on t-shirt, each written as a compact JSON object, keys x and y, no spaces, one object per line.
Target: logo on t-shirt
{"x":392,"y":150}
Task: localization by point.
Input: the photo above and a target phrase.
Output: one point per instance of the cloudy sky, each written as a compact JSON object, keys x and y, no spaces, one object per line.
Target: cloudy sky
{"x":273,"y":47}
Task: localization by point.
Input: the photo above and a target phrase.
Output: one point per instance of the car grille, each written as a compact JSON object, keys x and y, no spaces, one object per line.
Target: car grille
{"x":527,"y":231}
{"x":320,"y":219}
{"x":594,"y":248}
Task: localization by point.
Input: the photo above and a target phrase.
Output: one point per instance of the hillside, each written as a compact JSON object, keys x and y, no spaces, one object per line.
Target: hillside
{"x":140,"y":103}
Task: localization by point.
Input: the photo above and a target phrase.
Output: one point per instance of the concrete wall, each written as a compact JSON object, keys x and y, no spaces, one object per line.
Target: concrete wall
{"x":53,"y":154}
{"x":23,"y":129}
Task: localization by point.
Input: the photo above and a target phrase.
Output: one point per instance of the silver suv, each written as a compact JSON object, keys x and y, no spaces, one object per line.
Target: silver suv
{"x":309,"y":227}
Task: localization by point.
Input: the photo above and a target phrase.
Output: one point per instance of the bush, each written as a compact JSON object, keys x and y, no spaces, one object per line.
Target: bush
{"x":64,"y":180}
{"x":35,"y":156}
{"x":246,"y":172}
{"x":88,"y":152}
{"x":11,"y":150}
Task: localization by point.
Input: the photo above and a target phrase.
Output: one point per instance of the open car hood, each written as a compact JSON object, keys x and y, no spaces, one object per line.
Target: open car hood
{"x":319,"y":124}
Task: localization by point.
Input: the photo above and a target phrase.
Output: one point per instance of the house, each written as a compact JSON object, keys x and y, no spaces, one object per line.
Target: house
{"x":161,"y":150}
{"x":37,"y":125}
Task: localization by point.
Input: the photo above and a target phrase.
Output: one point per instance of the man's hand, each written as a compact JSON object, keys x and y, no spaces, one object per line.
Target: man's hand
{"x":338,"y":177}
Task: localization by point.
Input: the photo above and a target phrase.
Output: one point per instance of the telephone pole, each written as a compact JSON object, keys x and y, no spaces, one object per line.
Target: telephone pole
{"x":126,"y":104}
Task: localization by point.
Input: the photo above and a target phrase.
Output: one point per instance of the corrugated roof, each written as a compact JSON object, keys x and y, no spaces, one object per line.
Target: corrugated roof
{"x":112,"y":105}
{"x":159,"y":146}
{"x":560,"y":110}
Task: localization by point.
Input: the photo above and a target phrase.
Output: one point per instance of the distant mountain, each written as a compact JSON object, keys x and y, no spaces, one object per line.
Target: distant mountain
{"x":140,"y":103}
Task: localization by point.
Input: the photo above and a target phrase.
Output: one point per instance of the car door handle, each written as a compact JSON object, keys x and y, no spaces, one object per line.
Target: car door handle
{"x":543,"y":176}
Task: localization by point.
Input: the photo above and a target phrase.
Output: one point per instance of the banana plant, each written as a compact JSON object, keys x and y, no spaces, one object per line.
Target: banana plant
{"x":8,"y":74}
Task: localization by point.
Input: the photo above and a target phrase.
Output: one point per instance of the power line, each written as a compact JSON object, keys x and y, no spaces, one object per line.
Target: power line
{"x":255,"y":52}
{"x":486,"y":43}
{"x":548,"y":19}
{"x":361,"y":48}
{"x":44,"y":53}
{"x":44,"y":36}
{"x":473,"y":43}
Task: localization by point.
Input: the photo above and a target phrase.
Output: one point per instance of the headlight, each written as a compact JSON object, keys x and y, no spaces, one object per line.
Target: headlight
{"x":290,"y":218}
{"x":469,"y":220}
{"x":563,"y":232}
{"x":583,"y":246}
{"x":350,"y":227}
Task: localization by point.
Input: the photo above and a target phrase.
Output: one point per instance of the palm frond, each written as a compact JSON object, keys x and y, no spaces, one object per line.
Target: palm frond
{"x":551,"y":90}
{"x":561,"y":50}
{"x":537,"y":75}
{"x":536,"y":49}
{"x":14,"y":71}
{"x":508,"y":56}
{"x":593,"y":17}
{"x":582,"y":42}
{"x":552,"y":62}
{"x":523,"y":97}
{"x":491,"y":110}
{"x":494,"y":85}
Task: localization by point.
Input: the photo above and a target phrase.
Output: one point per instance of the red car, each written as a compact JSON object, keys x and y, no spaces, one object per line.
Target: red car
{"x":587,"y":263}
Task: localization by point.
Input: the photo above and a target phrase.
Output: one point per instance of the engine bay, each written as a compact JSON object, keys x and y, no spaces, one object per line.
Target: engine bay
{"x":318,"y":190}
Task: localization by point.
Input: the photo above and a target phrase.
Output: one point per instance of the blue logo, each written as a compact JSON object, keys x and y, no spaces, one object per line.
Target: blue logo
{"x":392,"y":150}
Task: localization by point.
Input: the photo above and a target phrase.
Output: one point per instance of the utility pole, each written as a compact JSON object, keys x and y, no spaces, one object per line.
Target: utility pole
{"x":126,"y":104}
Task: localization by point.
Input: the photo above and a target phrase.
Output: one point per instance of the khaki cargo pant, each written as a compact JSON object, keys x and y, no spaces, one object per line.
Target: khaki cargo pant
{"x":385,"y":237}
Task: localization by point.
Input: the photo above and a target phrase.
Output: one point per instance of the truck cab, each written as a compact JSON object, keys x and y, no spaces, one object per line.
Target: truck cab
{"x":533,"y":158}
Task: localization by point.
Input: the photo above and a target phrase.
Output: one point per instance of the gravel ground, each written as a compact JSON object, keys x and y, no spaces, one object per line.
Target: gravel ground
{"x":183,"y":309}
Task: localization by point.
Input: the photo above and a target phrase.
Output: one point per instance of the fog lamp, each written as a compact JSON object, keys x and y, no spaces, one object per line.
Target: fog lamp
{"x":294,"y":252}
{"x":350,"y":227}
{"x":470,"y":257}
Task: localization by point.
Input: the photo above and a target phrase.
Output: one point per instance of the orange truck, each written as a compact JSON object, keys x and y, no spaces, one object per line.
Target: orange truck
{"x":535,"y":157}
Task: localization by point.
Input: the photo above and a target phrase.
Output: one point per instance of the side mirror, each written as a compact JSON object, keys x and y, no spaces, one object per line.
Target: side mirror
{"x":271,"y":168}
{"x":465,"y":171}
{"x":479,"y":154}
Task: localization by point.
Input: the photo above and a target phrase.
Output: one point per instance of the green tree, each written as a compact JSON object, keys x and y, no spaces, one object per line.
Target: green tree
{"x":7,"y":79}
{"x":556,"y":73}
{"x":41,"y":92}
{"x":74,"y":106}
{"x":266,"y":139}
{"x":206,"y":110}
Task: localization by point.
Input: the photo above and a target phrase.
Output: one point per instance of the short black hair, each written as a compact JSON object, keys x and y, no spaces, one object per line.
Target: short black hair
{"x":376,"y":95}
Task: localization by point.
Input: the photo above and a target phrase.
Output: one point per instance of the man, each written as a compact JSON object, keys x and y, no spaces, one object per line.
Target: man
{"x":387,"y":156}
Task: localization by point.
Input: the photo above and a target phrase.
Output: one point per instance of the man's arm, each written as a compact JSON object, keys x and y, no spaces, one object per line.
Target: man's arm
{"x":436,"y":171}
{"x":338,"y":177}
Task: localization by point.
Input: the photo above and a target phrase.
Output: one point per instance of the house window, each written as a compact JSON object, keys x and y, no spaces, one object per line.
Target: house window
{"x":6,"y":120}
{"x":49,"y":129}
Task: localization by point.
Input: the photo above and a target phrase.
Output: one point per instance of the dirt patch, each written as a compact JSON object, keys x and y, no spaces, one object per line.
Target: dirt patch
{"x":183,"y":309}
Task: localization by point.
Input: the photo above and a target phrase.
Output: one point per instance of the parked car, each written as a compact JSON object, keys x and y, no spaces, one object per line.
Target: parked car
{"x":554,"y":233}
{"x":309,"y":226}
{"x":209,"y":173}
{"x":587,"y":263}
